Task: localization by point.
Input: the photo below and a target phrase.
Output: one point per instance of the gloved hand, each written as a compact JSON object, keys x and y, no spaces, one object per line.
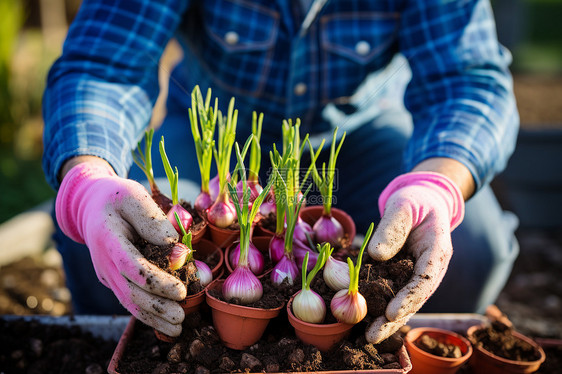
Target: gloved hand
{"x":420,"y":209}
{"x":96,"y":207}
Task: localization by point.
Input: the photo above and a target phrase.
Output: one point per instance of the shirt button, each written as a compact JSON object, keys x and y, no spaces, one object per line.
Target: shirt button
{"x":362,"y":48}
{"x":231,"y":37}
{"x":300,"y":89}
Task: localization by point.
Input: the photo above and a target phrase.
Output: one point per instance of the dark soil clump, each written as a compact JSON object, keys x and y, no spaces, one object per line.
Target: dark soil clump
{"x":380,"y":281}
{"x":499,"y":340}
{"x":269,"y":222}
{"x":32,"y":347}
{"x":158,"y":255}
{"x":438,"y":348}
{"x":199,"y":350}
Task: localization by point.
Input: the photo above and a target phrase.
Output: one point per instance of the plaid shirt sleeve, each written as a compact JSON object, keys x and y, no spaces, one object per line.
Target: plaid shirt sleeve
{"x":100,"y":92}
{"x":460,"y":95}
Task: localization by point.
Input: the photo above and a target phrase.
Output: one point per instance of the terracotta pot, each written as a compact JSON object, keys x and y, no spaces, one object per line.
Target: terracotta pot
{"x":261,"y":243}
{"x":238,"y":326}
{"x":262,"y":231}
{"x":193,"y":303}
{"x":483,"y":361}
{"x":222,"y":237}
{"x":190,"y":304}
{"x":127,"y":338}
{"x":426,"y":363}
{"x":310,"y":215}
{"x":205,"y":248}
{"x":196,"y":236}
{"x":322,"y":336}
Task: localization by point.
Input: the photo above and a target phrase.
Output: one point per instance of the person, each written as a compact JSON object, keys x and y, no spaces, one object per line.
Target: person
{"x":422,"y":89}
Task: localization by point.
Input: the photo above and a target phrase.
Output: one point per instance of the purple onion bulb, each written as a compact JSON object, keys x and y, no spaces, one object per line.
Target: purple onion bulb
{"x":328,"y":229}
{"x":276,"y":248}
{"x":286,"y":268}
{"x":222,"y":214}
{"x":185,"y":218}
{"x":204,"y":272}
{"x":203,"y":201}
{"x":256,"y":262}
{"x":243,"y":286}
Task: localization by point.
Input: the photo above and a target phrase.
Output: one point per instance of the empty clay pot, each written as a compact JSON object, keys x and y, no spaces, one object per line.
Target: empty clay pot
{"x":427,"y":363}
{"x":238,"y":326}
{"x":311,"y":214}
{"x":483,"y":361}
{"x":322,"y":336}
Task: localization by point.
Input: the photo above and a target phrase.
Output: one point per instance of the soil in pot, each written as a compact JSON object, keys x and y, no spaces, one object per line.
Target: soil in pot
{"x":499,"y":340}
{"x":437,"y":348}
{"x":33,"y":347}
{"x":436,"y":351}
{"x":268,"y":224}
{"x":199,"y":225}
{"x":199,"y":350}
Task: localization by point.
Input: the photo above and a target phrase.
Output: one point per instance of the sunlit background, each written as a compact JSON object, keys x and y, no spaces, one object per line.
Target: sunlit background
{"x":32,"y":32}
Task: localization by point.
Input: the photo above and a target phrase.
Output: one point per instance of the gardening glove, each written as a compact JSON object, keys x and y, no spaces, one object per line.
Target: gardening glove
{"x":97,"y":208}
{"x":420,"y":209}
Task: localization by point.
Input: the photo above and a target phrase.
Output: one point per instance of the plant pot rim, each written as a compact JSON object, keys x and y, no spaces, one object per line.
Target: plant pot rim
{"x":311,"y":326}
{"x":351,"y":231}
{"x":415,"y":333}
{"x":542,"y":356}
{"x":218,"y":269}
{"x":129,"y":331}
{"x":242,"y":310}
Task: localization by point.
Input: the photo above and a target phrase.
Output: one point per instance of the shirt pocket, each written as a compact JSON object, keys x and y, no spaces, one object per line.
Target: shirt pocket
{"x":354,"y":45}
{"x":239,"y":44}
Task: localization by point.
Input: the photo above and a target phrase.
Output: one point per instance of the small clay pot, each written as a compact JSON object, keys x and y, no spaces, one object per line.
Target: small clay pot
{"x":484,"y":361}
{"x":426,"y":363}
{"x":196,"y":236}
{"x":261,"y":243}
{"x":192,"y":303}
{"x":238,"y":326}
{"x":262,"y":231}
{"x":311,"y":214}
{"x":205,"y":248}
{"x":222,"y":237}
{"x":322,"y":336}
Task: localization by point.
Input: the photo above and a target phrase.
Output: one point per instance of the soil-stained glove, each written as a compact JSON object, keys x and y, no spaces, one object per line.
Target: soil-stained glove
{"x":96,"y":207}
{"x":420,"y":209}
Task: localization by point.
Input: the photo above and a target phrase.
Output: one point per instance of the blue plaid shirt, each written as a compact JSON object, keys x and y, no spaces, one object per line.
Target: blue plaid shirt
{"x":276,"y":58}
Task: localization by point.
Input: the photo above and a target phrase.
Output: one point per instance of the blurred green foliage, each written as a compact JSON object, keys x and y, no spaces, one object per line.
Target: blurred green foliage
{"x":541,"y":48}
{"x":24,"y":60}
{"x":531,"y":30}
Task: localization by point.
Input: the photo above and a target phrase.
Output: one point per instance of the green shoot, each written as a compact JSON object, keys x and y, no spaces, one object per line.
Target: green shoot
{"x":325,"y":182}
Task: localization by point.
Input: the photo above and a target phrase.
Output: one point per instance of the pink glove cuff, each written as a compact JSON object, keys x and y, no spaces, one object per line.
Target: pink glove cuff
{"x":67,"y":206}
{"x":436,"y":182}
